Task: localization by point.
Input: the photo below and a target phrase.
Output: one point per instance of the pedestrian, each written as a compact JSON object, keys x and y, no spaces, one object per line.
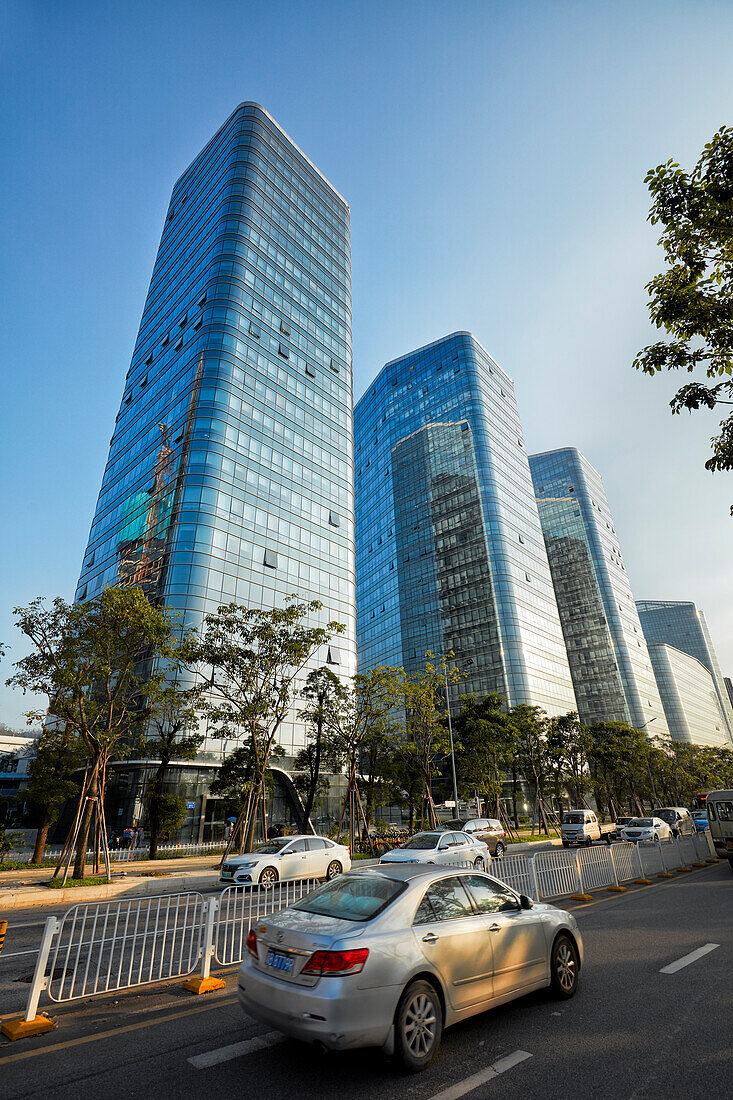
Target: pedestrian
{"x":138,"y":838}
{"x":127,"y":836}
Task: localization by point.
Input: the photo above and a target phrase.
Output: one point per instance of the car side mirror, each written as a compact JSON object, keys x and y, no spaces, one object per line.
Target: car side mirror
{"x":525,"y":902}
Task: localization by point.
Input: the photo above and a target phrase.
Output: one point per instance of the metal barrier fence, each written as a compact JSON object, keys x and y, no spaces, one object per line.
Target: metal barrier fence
{"x":114,"y":945}
{"x":239,"y":907}
{"x":556,"y":874}
{"x":518,"y":873}
{"x":130,"y":855}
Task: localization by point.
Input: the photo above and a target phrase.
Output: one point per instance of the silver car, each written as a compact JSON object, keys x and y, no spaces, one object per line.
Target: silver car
{"x":440,"y":847}
{"x":388,"y":957}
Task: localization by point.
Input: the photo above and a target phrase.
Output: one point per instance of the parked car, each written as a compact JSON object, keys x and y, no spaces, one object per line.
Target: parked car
{"x":646,"y":828}
{"x":487,"y":829}
{"x":287,"y":857}
{"x":678,"y":818}
{"x":615,"y":832}
{"x":388,"y":957}
{"x":719,"y":807}
{"x":440,"y":847}
{"x":579,"y":827}
{"x":700,"y":820}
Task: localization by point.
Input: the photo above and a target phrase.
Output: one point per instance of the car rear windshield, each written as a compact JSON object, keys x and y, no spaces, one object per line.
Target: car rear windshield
{"x":357,"y":898}
{"x":667,"y":815}
{"x":574,"y":819}
{"x":423,"y":842}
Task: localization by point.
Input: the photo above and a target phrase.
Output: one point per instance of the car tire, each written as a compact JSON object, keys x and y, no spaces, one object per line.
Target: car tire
{"x":565,"y":844}
{"x":564,"y":967}
{"x":656,"y":838}
{"x":268,"y":876}
{"x":418,"y":1026}
{"x":479,"y":863}
{"x":334,"y":868}
{"x":499,"y":851}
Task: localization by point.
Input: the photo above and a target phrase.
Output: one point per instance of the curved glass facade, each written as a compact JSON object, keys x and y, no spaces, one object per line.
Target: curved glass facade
{"x":689,"y":697}
{"x":681,"y":624}
{"x":609,"y":661}
{"x":230,"y":471}
{"x":450,"y":554}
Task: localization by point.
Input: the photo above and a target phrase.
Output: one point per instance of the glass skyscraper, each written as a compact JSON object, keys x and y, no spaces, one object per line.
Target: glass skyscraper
{"x":230,"y":470}
{"x":450,"y":555}
{"x":688,"y":696}
{"x":609,"y":661}
{"x":683,"y":625}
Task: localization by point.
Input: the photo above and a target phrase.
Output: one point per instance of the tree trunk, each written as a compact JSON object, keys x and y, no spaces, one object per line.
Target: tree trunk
{"x":514,"y":798}
{"x":86,"y":818}
{"x":42,"y":834}
{"x":154,"y":810}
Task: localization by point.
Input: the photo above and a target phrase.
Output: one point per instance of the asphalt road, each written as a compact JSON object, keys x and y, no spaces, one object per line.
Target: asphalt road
{"x":631,"y":1033}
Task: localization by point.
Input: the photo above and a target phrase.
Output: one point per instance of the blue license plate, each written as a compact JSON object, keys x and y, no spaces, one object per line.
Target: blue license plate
{"x":279,"y":962}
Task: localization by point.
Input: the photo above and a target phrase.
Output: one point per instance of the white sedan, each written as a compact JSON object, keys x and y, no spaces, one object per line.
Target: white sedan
{"x":440,"y":847}
{"x":287,"y":857}
{"x":646,"y":828}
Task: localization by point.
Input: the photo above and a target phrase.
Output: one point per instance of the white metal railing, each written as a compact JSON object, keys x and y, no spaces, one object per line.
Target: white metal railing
{"x":595,"y":868}
{"x":556,"y":874}
{"x":626,"y":861}
{"x":239,"y":907}
{"x":650,"y":854}
{"x":518,"y":872}
{"x":130,"y":855}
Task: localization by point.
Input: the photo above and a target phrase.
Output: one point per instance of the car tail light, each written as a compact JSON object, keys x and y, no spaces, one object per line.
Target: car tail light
{"x":335,"y":963}
{"x":252,"y":943}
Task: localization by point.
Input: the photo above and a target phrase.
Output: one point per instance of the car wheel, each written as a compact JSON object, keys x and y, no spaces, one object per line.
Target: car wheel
{"x":268,"y":877}
{"x":588,"y":842}
{"x":479,"y":862}
{"x":418,"y":1027}
{"x":334,"y":868}
{"x":499,"y":851}
{"x":656,"y":837}
{"x":564,"y":967}
{"x":565,"y":844}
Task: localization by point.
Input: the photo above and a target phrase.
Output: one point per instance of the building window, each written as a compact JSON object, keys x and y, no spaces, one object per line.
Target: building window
{"x":334,"y":657}
{"x":83,"y":594}
{"x":179,"y":343}
{"x":202,"y":300}
{"x":90,"y":561}
{"x":270,"y":559}
{"x":144,"y":382}
{"x":254,"y":331}
{"x":149,"y":360}
{"x":183,"y":321}
{"x":128,"y":398}
{"x":333,"y":519}
{"x":334,"y":367}
{"x":200,"y":322}
{"x":527,"y":577}
{"x":285,"y":328}
{"x":309,"y":370}
{"x":521,"y":540}
{"x":282,"y":350}
{"x":166,"y":338}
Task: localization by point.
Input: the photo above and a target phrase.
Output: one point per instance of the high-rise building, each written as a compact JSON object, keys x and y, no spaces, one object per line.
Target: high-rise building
{"x":609,"y":661}
{"x":729,"y":688}
{"x":450,"y":555}
{"x":681,"y":624}
{"x":230,"y":470}
{"x":688,"y":696}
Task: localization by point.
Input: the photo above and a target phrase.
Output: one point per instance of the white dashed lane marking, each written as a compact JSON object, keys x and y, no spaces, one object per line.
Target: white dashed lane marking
{"x":236,"y":1050}
{"x":687,"y":959}
{"x":453,"y":1092}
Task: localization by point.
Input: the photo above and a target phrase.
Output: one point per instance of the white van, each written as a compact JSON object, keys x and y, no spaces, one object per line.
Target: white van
{"x":719,"y":805}
{"x":579,"y":827}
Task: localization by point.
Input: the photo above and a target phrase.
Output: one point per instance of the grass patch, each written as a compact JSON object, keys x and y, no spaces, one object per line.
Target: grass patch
{"x":25,"y":865}
{"x":95,"y":880}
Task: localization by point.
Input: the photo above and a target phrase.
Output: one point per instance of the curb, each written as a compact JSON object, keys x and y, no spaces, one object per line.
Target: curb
{"x":132,"y":887}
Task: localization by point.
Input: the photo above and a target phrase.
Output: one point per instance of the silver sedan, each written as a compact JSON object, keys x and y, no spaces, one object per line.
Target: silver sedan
{"x":440,"y":847}
{"x":388,"y":957}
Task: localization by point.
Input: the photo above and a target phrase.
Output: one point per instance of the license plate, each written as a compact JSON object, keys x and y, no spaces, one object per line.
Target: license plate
{"x":279,"y":962}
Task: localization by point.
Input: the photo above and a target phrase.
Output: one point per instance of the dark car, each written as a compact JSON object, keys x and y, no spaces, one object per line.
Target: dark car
{"x":487,"y":829}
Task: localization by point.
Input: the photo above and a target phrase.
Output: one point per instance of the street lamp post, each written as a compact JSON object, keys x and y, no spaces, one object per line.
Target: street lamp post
{"x":649,"y":770}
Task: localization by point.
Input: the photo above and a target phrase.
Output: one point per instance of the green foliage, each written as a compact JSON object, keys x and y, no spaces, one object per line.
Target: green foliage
{"x":692,"y":300}
{"x":92,"y":880}
{"x":59,"y":753}
{"x":170,"y":809}
{"x":9,"y":842}
{"x":325,"y":698}
{"x":484,"y":745}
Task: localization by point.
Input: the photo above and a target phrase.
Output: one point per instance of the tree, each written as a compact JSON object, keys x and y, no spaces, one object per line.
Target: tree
{"x":531,"y":752}
{"x":567,"y":747}
{"x":325,"y":698}
{"x":426,"y":739}
{"x":484,"y":740}
{"x":618,"y":758}
{"x":249,"y":661}
{"x":60,"y":752}
{"x":693,"y":299}
{"x":170,"y":810}
{"x":169,"y":738}
{"x":234,"y":778}
{"x":100,"y":665}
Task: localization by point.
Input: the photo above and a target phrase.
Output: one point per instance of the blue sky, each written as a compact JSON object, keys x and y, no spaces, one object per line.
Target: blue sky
{"x":493,"y":156}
